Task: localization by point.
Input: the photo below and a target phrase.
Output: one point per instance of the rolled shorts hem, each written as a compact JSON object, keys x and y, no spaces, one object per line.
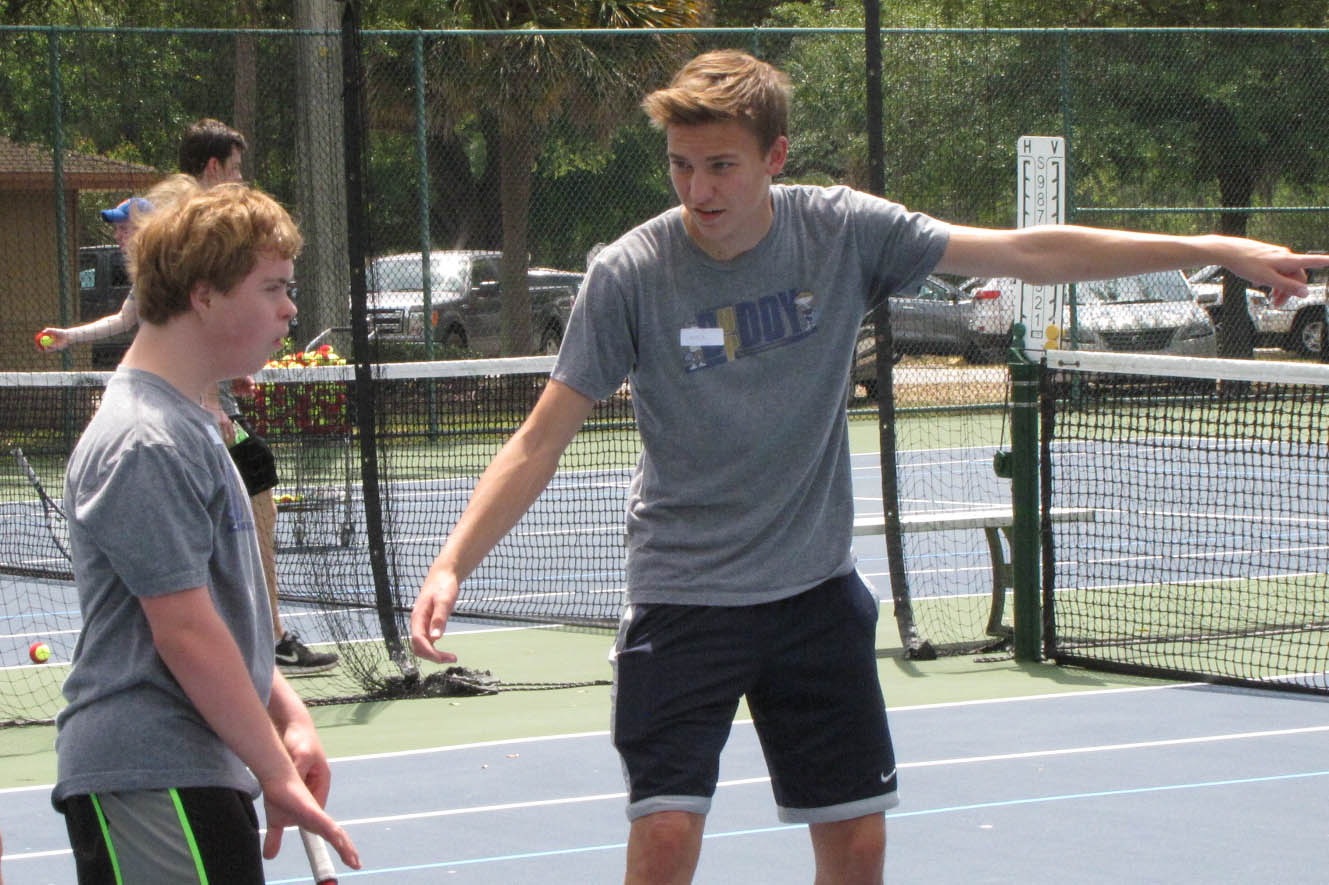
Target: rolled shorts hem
{"x":844,"y":811}
{"x":652,"y":804}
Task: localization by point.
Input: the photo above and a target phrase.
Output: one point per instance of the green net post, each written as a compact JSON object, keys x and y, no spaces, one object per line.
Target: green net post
{"x":1024,"y":508}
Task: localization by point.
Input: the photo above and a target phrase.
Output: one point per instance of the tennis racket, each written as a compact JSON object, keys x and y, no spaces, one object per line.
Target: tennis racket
{"x":56,"y":526}
{"x":320,"y":859}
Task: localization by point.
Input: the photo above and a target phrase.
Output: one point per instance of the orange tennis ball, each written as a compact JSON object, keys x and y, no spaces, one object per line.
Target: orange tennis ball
{"x":40,"y":652}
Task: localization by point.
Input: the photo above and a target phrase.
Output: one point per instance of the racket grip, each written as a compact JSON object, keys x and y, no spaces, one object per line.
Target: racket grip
{"x":320,"y":860}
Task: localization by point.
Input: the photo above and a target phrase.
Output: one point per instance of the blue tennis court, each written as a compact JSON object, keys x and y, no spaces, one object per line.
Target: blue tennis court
{"x":1143,"y":783}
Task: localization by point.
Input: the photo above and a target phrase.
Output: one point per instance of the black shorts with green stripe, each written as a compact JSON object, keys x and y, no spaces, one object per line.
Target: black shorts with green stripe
{"x":189,"y":835}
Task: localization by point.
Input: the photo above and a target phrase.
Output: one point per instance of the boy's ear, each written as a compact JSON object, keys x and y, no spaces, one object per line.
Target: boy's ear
{"x":200,"y":297}
{"x":775,"y":158}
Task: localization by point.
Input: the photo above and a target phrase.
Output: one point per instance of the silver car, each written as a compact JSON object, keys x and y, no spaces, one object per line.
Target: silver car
{"x":1148,"y":313}
{"x":937,"y":319}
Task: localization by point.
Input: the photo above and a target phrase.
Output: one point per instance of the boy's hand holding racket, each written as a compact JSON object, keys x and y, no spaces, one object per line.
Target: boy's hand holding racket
{"x":290,"y":803}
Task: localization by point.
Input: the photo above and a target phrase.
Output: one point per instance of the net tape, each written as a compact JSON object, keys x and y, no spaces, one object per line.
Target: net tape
{"x":438,"y":425}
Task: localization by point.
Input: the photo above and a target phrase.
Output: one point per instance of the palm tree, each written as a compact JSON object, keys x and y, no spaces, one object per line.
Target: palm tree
{"x":516,"y":85}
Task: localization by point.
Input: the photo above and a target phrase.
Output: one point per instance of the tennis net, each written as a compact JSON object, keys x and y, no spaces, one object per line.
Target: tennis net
{"x":436,"y":427}
{"x":1208,"y":557}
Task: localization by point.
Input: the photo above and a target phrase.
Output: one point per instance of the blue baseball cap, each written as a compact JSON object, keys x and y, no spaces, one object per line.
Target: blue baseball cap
{"x":121,"y":213}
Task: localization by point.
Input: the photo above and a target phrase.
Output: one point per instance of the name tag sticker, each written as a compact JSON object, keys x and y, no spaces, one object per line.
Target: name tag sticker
{"x":695,"y":337}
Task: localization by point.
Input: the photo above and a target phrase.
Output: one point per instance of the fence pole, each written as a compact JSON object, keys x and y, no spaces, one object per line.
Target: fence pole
{"x":58,"y":186}
{"x":422,"y":186}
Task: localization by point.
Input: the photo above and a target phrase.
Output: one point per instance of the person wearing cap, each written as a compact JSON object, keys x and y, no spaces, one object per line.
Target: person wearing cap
{"x":123,"y":218}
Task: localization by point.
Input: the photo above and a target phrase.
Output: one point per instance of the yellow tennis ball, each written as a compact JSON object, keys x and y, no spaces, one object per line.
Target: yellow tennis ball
{"x":46,"y":340}
{"x":39,"y":652}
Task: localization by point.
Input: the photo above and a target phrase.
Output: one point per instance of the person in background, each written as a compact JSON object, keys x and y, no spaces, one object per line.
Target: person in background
{"x":123,"y":219}
{"x":212,"y":153}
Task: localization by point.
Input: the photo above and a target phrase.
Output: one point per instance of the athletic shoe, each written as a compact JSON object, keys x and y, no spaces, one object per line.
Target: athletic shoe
{"x":295,"y":659}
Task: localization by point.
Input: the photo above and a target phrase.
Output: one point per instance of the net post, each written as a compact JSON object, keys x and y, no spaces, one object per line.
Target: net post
{"x":1025,"y":510}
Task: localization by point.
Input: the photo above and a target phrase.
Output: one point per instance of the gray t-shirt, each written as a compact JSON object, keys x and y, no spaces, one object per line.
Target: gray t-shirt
{"x":155,"y":506}
{"x":739,"y":375}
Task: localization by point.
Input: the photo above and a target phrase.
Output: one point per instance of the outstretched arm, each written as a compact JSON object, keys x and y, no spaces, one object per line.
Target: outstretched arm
{"x":506,"y":490}
{"x":1068,"y":253}
{"x":96,"y":330}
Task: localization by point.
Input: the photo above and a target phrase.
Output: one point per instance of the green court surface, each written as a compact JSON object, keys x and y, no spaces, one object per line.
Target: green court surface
{"x":529,"y":655}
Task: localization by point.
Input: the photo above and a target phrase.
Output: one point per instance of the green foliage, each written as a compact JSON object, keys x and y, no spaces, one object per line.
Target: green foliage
{"x":626,"y":183}
{"x":944,"y":114}
{"x":1154,"y":119}
{"x":146,"y":13}
{"x":1168,"y":118}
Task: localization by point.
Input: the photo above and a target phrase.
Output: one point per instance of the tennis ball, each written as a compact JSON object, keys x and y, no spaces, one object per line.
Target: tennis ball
{"x":45,"y":341}
{"x":40,"y":652}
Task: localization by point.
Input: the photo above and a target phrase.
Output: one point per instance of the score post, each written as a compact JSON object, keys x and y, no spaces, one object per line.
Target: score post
{"x":1041,"y":193}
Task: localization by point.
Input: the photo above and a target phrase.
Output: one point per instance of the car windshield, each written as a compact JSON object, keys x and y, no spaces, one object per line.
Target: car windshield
{"x":1150,"y":287}
{"x":404,"y":273}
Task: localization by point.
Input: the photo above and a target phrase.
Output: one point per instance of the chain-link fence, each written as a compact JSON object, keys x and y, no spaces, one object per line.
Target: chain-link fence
{"x":511,"y":156}
{"x":532,"y":146}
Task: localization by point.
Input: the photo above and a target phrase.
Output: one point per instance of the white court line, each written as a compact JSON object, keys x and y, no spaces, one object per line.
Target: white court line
{"x":39,"y":634}
{"x":1033,"y":754}
{"x":738,"y":782}
{"x":451,"y":748}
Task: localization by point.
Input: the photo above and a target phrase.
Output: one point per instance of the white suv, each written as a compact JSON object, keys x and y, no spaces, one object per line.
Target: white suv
{"x":1295,"y":326}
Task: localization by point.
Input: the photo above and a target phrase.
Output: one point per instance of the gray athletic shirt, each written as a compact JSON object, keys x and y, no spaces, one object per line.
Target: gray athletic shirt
{"x":155,"y":506}
{"x":739,"y":374}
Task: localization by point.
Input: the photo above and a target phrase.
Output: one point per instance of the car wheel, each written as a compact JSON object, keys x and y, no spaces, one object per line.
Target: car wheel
{"x":1306,"y":334}
{"x":550,"y":339}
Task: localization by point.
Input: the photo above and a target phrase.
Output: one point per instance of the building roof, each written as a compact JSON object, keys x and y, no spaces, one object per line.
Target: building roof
{"x":29,"y":167}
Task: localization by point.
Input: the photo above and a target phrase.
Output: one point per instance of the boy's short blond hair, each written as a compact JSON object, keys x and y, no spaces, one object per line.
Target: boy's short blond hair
{"x":725,"y":85}
{"x":214,"y":237}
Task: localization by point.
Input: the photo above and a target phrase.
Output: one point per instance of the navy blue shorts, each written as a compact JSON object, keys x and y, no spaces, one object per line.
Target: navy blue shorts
{"x":808,"y":667}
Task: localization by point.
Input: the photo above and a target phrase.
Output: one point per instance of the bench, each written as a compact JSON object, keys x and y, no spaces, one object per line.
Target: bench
{"x":993,"y":521}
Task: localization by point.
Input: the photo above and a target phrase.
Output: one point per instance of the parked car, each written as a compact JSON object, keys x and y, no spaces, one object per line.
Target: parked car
{"x":103,"y":285}
{"x":938,"y":319}
{"x":1152,"y":313}
{"x":1295,"y":326}
{"x":464,"y":301}
{"x":1148,"y":313}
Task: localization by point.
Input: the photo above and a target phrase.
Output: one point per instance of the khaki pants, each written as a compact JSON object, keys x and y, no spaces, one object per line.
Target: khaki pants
{"x":264,"y":508}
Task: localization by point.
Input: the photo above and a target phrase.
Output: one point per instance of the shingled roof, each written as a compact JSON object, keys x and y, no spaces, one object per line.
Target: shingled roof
{"x":29,"y":167}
